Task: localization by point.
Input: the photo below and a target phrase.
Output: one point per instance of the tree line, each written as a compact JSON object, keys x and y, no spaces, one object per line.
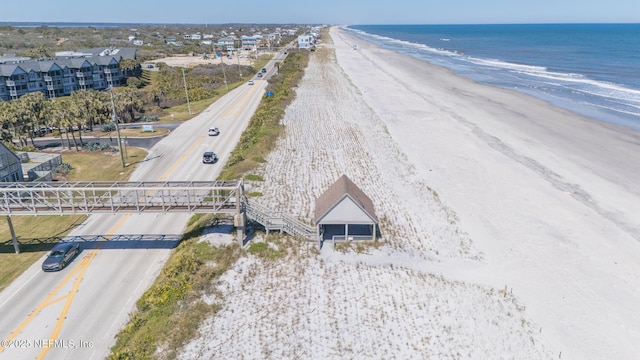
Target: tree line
{"x":32,"y":114}
{"x":28,"y":116}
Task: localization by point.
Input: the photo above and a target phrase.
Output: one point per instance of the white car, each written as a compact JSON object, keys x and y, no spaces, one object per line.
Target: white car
{"x":250,"y":82}
{"x":214,"y":131}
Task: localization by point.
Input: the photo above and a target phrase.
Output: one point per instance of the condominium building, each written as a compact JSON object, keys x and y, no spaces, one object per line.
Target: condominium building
{"x":97,"y":69}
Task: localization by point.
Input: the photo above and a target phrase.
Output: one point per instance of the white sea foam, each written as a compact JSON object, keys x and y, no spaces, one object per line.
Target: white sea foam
{"x":578,"y":89}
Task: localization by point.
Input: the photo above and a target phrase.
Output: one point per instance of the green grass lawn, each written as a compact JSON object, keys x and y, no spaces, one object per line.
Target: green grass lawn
{"x":38,"y":234}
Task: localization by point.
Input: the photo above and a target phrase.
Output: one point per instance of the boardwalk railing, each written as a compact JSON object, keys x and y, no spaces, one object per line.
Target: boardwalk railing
{"x":44,"y":198}
{"x":220,"y":197}
{"x":279,"y":221}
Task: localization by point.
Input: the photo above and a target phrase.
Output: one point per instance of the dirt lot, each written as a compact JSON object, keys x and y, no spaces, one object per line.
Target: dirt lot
{"x":245,"y":58}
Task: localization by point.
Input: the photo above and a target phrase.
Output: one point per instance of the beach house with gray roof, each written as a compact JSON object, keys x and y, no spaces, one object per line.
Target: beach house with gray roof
{"x":345,"y":212}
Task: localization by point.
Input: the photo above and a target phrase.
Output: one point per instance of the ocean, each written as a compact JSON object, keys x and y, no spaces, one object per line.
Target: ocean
{"x":590,"y":69}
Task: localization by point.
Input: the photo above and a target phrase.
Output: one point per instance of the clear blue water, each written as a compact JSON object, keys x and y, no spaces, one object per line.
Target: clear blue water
{"x":591,"y":69}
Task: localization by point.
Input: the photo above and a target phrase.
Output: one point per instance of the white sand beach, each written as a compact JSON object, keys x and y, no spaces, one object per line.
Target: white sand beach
{"x":511,"y":228}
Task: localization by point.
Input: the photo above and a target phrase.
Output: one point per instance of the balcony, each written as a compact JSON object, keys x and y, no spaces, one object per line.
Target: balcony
{"x":51,"y":87}
{"x":11,"y":83}
{"x":80,"y":74}
{"x":48,"y":78}
{"x":13,"y":93}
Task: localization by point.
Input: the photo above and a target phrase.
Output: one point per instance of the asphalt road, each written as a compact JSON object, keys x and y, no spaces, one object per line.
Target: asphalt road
{"x":75,"y":313}
{"x":141,"y":142}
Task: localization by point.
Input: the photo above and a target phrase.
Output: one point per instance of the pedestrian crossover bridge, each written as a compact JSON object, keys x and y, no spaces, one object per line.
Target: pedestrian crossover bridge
{"x":218,"y":197}
{"x":61,"y":198}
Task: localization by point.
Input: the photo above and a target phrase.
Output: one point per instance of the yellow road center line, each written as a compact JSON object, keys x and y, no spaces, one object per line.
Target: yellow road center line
{"x":246,"y":100}
{"x":231,"y":108}
{"x":46,"y":302}
{"x":56,"y":300}
{"x":65,"y":309}
{"x":81,"y":269}
{"x":184,"y":156}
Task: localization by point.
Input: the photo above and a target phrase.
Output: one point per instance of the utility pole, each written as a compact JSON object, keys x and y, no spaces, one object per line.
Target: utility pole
{"x":224,"y":74}
{"x":16,"y":245}
{"x":184,"y":80}
{"x":114,"y":118}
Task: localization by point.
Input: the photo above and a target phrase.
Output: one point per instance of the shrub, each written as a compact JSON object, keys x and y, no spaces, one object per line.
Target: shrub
{"x":63,"y":169}
{"x":109,"y":127}
{"x":149,"y":118}
{"x":96,"y":146}
{"x":254,"y":177}
{"x":264,"y":251}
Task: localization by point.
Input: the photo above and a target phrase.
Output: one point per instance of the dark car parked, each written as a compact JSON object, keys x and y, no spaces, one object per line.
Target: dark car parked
{"x":60,"y":256}
{"x":209,"y":157}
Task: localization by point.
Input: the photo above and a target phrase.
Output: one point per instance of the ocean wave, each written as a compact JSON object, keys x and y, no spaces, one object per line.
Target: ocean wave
{"x":378,"y":39}
{"x":506,"y":65}
{"x":571,"y":90}
{"x":590,"y":86}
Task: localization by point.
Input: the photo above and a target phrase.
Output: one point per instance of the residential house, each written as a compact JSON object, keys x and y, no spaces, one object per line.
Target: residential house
{"x":305,"y":41}
{"x":226,"y":43}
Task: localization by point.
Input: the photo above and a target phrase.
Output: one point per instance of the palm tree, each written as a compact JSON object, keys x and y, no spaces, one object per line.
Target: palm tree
{"x":32,"y":109}
{"x":156,"y":95}
{"x":7,"y":120}
{"x":58,"y":116}
{"x":129,"y":66}
{"x":67,"y":116}
{"x":128,"y":102}
{"x":82,"y":109}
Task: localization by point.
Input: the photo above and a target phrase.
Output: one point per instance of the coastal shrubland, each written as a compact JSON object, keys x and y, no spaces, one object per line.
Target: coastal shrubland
{"x":169,"y":313}
{"x":264,"y":127}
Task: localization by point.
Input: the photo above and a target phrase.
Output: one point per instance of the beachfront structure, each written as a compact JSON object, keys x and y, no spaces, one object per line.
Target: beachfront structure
{"x":345,"y":212}
{"x":88,"y":69}
{"x":306,"y":41}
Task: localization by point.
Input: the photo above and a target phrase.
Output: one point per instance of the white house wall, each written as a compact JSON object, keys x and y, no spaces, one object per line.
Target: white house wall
{"x":346,"y":212}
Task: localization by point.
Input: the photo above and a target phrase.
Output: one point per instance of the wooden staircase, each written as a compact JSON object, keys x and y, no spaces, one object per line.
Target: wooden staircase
{"x":279,"y":221}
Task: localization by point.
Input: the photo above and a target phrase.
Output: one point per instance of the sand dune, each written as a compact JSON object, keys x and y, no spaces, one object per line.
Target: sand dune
{"x":510,"y":227}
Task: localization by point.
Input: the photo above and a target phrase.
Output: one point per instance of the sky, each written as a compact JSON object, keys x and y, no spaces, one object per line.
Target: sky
{"x":351,"y":12}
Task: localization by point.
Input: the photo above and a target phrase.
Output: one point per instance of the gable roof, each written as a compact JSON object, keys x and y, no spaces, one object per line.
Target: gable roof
{"x":336,"y":192}
{"x":10,"y":69}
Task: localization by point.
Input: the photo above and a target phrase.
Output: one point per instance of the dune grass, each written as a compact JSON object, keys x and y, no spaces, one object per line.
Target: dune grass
{"x":170,"y":312}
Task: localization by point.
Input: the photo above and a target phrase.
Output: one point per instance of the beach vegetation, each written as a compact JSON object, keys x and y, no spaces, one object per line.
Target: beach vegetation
{"x":264,"y":127}
{"x":169,"y":312}
{"x":253,"y":177}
